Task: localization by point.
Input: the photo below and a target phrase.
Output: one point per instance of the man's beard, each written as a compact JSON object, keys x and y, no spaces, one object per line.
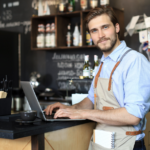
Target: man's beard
{"x":112,"y":44}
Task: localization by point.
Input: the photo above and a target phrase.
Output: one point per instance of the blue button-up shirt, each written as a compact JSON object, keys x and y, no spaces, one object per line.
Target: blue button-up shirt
{"x":131,"y":82}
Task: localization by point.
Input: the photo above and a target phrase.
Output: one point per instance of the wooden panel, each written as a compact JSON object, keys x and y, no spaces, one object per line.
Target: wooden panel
{"x":18,"y":144}
{"x":65,"y":47}
{"x":62,"y":23}
{"x":73,"y":138}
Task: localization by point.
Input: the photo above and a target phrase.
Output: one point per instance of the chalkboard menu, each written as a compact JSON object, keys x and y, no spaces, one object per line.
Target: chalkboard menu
{"x":15,"y":15}
{"x":64,"y":66}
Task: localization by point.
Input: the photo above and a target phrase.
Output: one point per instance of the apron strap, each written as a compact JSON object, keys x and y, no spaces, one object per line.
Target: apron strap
{"x":109,"y":85}
{"x":95,"y":83}
{"x":99,"y":71}
{"x":133,"y":132}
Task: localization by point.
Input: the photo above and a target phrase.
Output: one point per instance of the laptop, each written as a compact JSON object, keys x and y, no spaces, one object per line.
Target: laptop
{"x":35,"y":105}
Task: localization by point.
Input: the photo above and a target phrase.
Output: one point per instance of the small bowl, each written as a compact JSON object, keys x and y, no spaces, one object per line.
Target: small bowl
{"x":29,"y":115}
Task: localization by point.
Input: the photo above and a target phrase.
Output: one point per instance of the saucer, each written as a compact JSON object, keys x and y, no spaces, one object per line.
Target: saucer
{"x":22,"y":121}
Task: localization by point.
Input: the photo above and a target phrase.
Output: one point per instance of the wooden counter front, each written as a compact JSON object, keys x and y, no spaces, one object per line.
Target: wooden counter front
{"x":72,"y":138}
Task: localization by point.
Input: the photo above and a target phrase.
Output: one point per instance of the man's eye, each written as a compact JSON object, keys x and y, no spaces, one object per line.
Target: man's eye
{"x":105,"y":27}
{"x":93,"y":31}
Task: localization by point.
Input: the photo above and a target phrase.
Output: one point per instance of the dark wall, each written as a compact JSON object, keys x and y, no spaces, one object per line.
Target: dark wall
{"x":41,"y":61}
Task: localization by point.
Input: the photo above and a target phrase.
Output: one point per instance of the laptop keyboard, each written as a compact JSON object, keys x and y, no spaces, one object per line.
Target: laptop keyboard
{"x":52,"y":117}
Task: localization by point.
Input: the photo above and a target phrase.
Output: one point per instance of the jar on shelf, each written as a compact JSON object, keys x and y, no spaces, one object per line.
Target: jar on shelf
{"x":62,"y":6}
{"x":53,"y":42}
{"x":93,"y":3}
{"x":104,"y":3}
{"x":41,"y":36}
{"x":48,"y":35}
{"x":84,"y":4}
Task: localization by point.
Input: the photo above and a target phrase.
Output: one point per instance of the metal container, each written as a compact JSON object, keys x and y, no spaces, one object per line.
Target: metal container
{"x":17,"y":99}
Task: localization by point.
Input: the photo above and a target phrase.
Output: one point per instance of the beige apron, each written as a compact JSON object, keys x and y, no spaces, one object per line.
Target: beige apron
{"x":105,"y":100}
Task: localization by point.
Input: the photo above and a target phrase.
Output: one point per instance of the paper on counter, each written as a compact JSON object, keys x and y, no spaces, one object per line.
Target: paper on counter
{"x":147,"y":22}
{"x":143,"y":36}
{"x":76,"y":98}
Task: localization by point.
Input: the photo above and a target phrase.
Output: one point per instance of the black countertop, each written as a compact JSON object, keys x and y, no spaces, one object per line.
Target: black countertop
{"x":10,"y":129}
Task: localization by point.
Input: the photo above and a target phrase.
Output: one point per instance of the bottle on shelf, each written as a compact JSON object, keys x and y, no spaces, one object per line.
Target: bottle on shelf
{"x":96,"y":63}
{"x":48,"y":36}
{"x":80,"y":37}
{"x":71,"y":5}
{"x":35,"y":10}
{"x":53,"y":42}
{"x":69,"y":35}
{"x":84,"y":4}
{"x":88,"y":38}
{"x":41,"y":36}
{"x":104,"y":3}
{"x":46,"y":9}
{"x":93,"y":3}
{"x":86,"y":67}
{"x":62,"y":6}
{"x":76,"y":35}
{"x":40,"y":8}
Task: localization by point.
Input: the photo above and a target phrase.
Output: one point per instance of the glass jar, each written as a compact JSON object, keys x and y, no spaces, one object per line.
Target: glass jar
{"x":93,"y":3}
{"x":41,"y":36}
{"x":83,"y":4}
{"x":48,"y":36}
{"x":62,"y":6}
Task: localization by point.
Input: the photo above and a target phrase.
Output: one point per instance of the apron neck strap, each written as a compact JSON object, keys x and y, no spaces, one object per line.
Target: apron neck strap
{"x":109,"y":86}
{"x":116,"y":65}
{"x":97,"y":75}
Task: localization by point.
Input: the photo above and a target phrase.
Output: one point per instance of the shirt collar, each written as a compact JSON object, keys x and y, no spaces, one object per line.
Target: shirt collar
{"x":116,"y":52}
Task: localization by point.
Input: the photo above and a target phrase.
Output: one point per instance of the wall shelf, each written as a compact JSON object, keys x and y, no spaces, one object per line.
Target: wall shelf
{"x":61,"y":21}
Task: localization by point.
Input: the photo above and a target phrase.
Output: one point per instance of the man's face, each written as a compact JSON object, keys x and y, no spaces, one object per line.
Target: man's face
{"x":103,"y":33}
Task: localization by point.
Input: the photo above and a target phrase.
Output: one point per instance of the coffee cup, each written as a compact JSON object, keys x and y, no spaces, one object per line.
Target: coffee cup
{"x":28,"y":115}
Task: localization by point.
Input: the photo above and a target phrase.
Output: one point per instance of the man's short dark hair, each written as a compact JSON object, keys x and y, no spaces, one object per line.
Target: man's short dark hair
{"x":100,"y":11}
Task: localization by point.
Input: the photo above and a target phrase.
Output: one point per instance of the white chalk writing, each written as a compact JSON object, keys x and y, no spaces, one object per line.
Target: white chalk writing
{"x":64,"y":65}
{"x":68,"y":73}
{"x":27,"y":25}
{"x":78,"y":65}
{"x":75,"y":57}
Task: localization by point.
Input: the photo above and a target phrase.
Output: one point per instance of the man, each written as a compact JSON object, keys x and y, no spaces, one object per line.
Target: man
{"x":121,"y":87}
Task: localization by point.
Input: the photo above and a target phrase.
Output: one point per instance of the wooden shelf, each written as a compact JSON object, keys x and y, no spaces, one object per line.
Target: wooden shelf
{"x":61,"y":21}
{"x":65,"y":47}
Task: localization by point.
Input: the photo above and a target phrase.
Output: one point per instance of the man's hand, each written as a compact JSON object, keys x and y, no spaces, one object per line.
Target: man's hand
{"x":71,"y":113}
{"x":50,"y":108}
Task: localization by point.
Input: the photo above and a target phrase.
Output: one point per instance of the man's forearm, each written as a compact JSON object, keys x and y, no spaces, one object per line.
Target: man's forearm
{"x":118,"y":116}
{"x":84,"y":104}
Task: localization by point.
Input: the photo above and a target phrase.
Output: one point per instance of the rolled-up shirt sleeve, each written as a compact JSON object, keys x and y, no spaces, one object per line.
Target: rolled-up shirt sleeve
{"x":137,"y":87}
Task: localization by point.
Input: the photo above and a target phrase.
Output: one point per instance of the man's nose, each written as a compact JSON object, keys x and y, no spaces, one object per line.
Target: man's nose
{"x":100,"y":34}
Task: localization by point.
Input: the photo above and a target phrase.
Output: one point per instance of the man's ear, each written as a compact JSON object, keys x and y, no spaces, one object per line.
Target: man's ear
{"x":117,"y":26}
